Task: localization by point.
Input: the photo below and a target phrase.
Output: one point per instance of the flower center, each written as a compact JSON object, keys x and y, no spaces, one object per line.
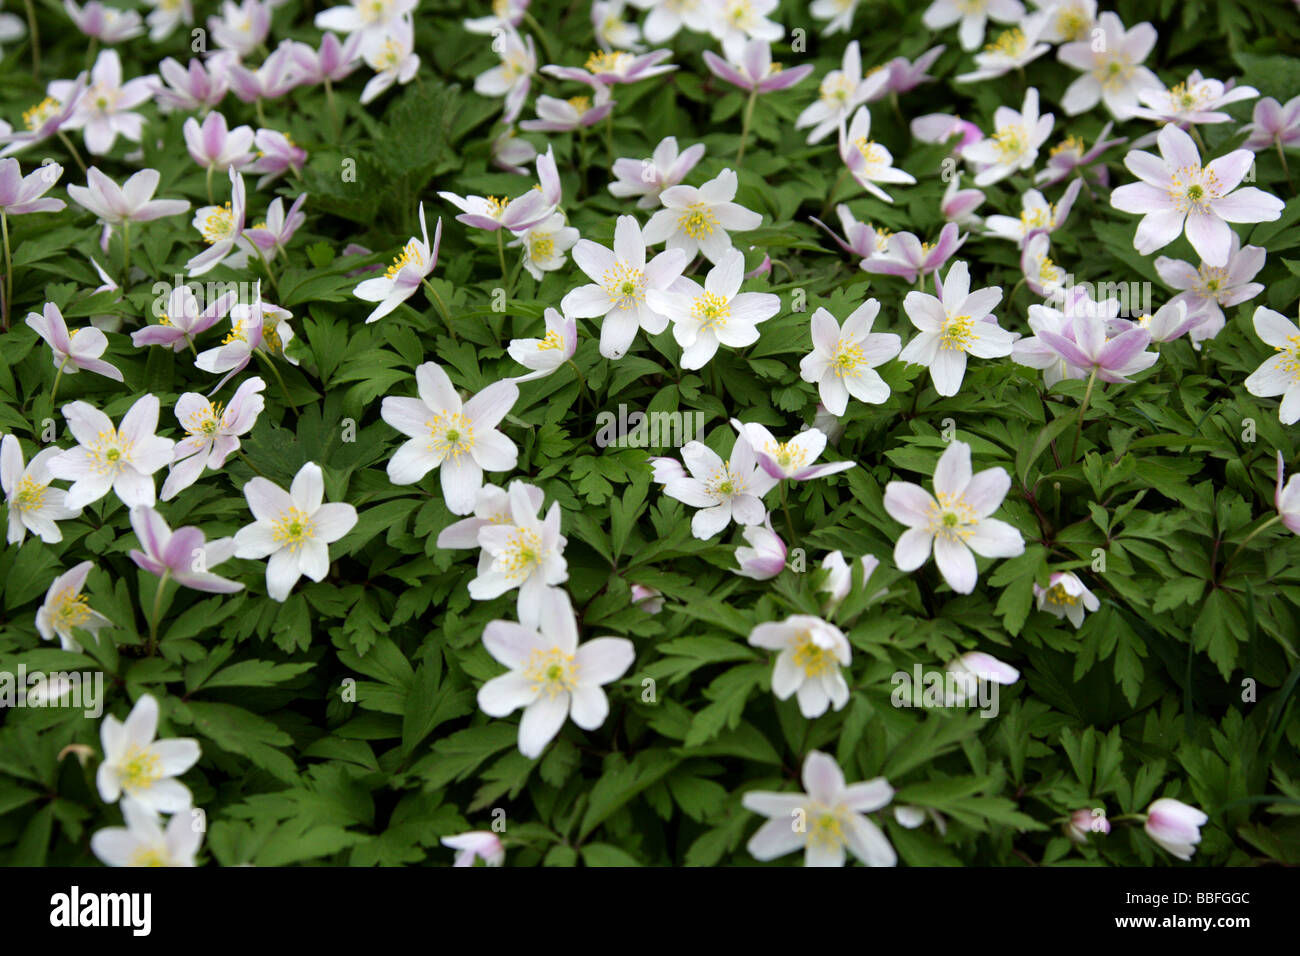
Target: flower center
{"x":1071,"y":144}
{"x":607,"y":62}
{"x":1193,"y":189}
{"x":553,"y":341}
{"x":787,"y":454}
{"x":712,"y":311}
{"x":725,"y":483}
{"x":1011,"y":141}
{"x":521,"y":555}
{"x":951,"y":518}
{"x":29,"y":495}
{"x":1114,"y":74}
{"x":810,"y":657}
{"x":219,"y":224}
{"x":1057,"y":595}
{"x":873,"y":154}
{"x":1010,"y":43}
{"x":541,"y":248}
{"x":293,"y":529}
{"x":580,"y":104}
{"x":110,"y":451}
{"x":450,"y":433}
{"x":697,"y":221}
{"x":41,"y":112}
{"x":956,"y":333}
{"x":139,"y":769}
{"x":848,"y":356}
{"x":826,"y":828}
{"x":837,"y":88}
{"x":552,"y":672}
{"x":1291,"y":364}
{"x":205,"y":422}
{"x":70,"y":610}
{"x":625,"y":285}
{"x":410,"y":255}
{"x":1213,"y":282}
{"x":148,"y":856}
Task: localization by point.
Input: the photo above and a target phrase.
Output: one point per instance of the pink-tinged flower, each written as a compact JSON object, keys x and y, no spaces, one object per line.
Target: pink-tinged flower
{"x":212,"y":434}
{"x":367,"y":17}
{"x":860,"y":238}
{"x":719,"y":314}
{"x":562,"y":116}
{"x":277,"y":154}
{"x":242,"y":27}
{"x":843,"y":360}
{"x":1033,"y":352}
{"x":505,"y":15}
{"x":723,"y":491}
{"x":613,"y":67}
{"x":1111,"y":64}
{"x":792,"y":460}
{"x":958,"y":205}
{"x":409,"y":269}
{"x":460,"y":438}
{"x":1037,"y":215}
{"x":139,"y":767}
{"x":392,"y":56}
{"x":908,"y":257}
{"x":1175,"y":826}
{"x":1085,"y":821}
{"x":952,"y":324}
{"x":1014,"y":144}
{"x":20,"y":195}
{"x":47,"y":117}
{"x":841,"y":92}
{"x":1208,"y":289}
{"x":277,"y":75}
{"x":765,"y":556}
{"x":332,"y":62}
{"x":1169,"y":322}
{"x":294,"y":528}
{"x":942,"y":127}
{"x":956,"y":521}
{"x":514,"y":77}
{"x":701,"y":219}
{"x":1068,"y":155}
{"x":1280,"y":373}
{"x":648,"y":178}
{"x":1176,"y":193}
{"x":906,"y":75}
{"x":1088,"y":347}
{"x":195,"y":87}
{"x":811,"y":662}
{"x":166,"y":16}
{"x":622,"y":285}
{"x":1192,"y":103}
{"x":183,"y":321}
{"x":830,"y":818}
{"x":975,"y":666}
{"x":754,"y":71}
{"x":106,"y":458}
{"x":256,"y":326}
{"x":1012,"y":50}
{"x":511,"y":153}
{"x":476,"y":845}
{"x":72,"y":350}
{"x":868,"y":162}
{"x":131,"y":202}
{"x":1285,"y":499}
{"x":183,"y":555}
{"x":274,"y":234}
{"x":66,"y":610}
{"x":839,"y":577}
{"x":105,"y":111}
{"x":143,"y":841}
{"x":1066,"y":597}
{"x":548,"y":353}
{"x":490,"y":213}
{"x":974,"y":16}
{"x":214,"y":145}
{"x":222,"y":228}
{"x":551,"y":676}
{"x":105,"y":24}
{"x":1043,"y":276}
{"x":524,"y":552}
{"x":1274,"y":125}
{"x":32,"y":505}
{"x":650,"y":600}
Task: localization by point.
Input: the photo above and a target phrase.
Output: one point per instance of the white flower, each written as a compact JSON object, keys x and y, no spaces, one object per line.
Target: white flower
{"x":460,"y":438}
{"x":667,"y":17}
{"x":1280,"y":373}
{"x":1175,"y":826}
{"x":975,"y":666}
{"x":546,"y":354}
{"x":813,"y":654}
{"x":842,"y":91}
{"x":143,"y":842}
{"x":107,"y":458}
{"x":955,"y":524}
{"x":1067,"y":20}
{"x":551,"y":676}
{"x":367,"y":17}
{"x":867,"y":161}
{"x":416,"y":261}
{"x":1196,"y":101}
{"x":974,"y":16}
{"x":293,"y":528}
{"x":718,"y":314}
{"x":1110,"y":59}
{"x":543,"y":246}
{"x":105,"y":110}
{"x":391,"y":54}
{"x":65,"y":608}
{"x":843,"y":360}
{"x":140,"y":767}
{"x":698,"y":219}
{"x":1037,"y":215}
{"x":525,"y":553}
{"x":1012,"y":50}
{"x":737,"y":21}
{"x":1014,"y":145}
{"x":791,"y":460}
{"x":952,"y":325}
{"x":825,"y":821}
{"x":477,"y":844}
{"x":1066,"y":597}
{"x":648,"y":178}
{"x":513,"y":78}
{"x":622,"y":281}
{"x":213,"y":433}
{"x":838,"y":12}
{"x":723,"y":490}
{"x":491,"y":506}
{"x":839,"y":576}
{"x":32,"y":504}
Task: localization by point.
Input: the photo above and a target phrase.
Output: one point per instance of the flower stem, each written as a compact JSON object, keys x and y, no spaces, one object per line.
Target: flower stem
{"x":334,"y":113}
{"x":275,"y":284}
{"x":1233,"y":557}
{"x":9,"y":271}
{"x":157,"y":610}
{"x":785,"y":506}
{"x":830,"y":196}
{"x":279,"y":378}
{"x":744,"y":126}
{"x":247,"y":461}
{"x":126,"y":254}
{"x":36,"y":39}
{"x":1281,"y":154}
{"x":211,"y":170}
{"x":72,"y":149}
{"x":442,"y":307}
{"x":58,"y":375}
{"x":1196,"y":135}
{"x":1083,"y":410}
{"x":501,"y":257}
{"x":609,"y":136}
{"x":582,"y":387}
